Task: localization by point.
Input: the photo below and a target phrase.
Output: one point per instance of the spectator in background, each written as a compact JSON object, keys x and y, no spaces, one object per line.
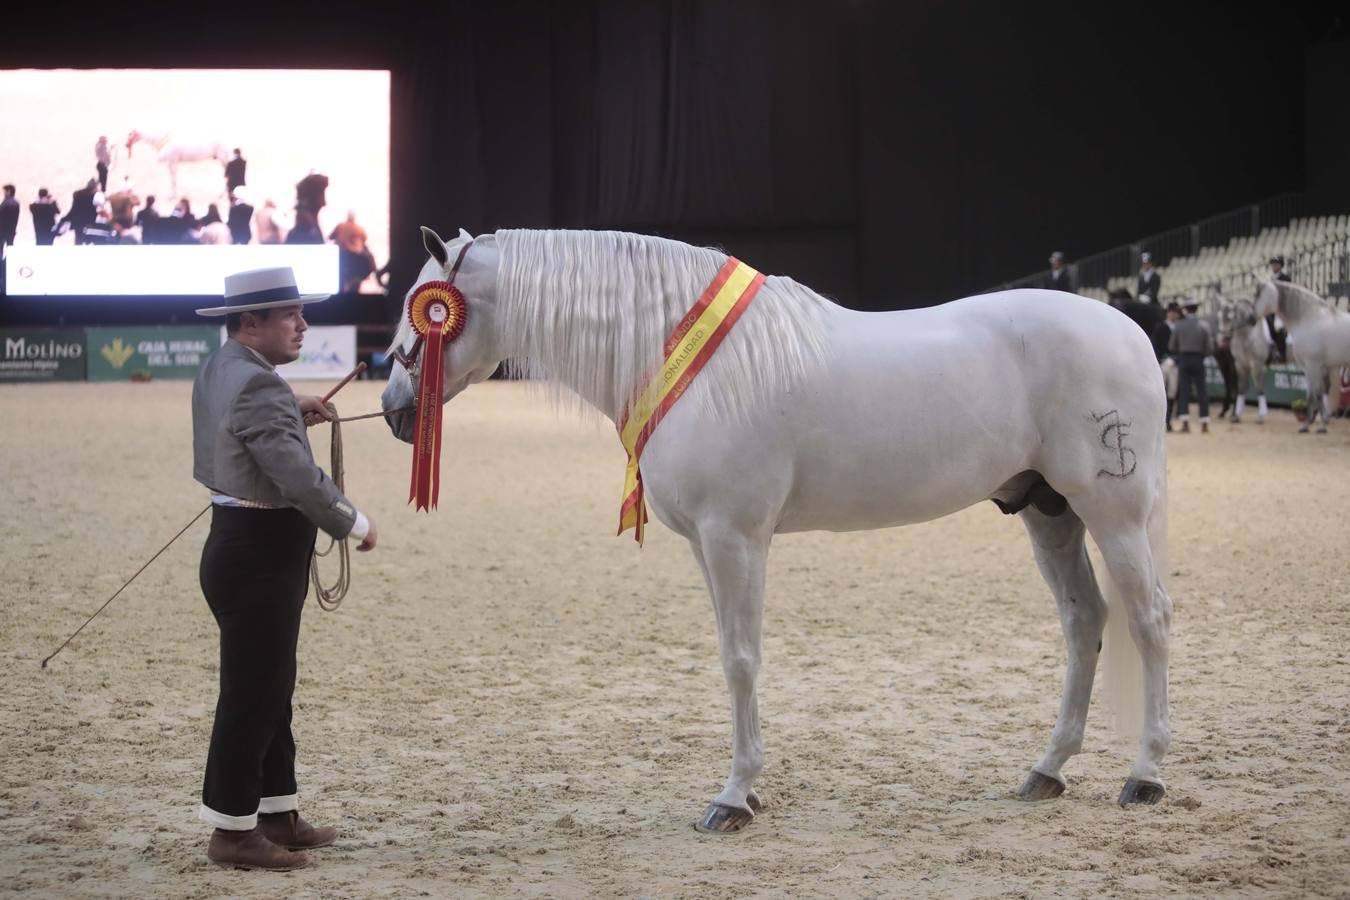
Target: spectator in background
{"x":82,"y":210}
{"x":241,"y":213}
{"x":180,"y":226}
{"x":1146,"y":315}
{"x":1191,"y":342}
{"x":212,"y":216}
{"x":309,"y":194}
{"x":148,"y":221}
{"x":104,"y":157}
{"x":1059,"y":278}
{"x":265,"y":224}
{"x":355,"y":261}
{"x":123,"y":205}
{"x":44,"y":211}
{"x":9,"y":216}
{"x":1275,"y":328}
{"x":1162,"y":339}
{"x":1149,"y":289}
{"x":306,"y":230}
{"x":234,"y":172}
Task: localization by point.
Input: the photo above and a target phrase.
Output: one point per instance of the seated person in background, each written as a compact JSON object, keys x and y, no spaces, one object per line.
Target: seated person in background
{"x":1059,"y":278}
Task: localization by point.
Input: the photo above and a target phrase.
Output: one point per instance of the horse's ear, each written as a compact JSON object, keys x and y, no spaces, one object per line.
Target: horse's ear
{"x":464,"y":235}
{"x":435,"y":246}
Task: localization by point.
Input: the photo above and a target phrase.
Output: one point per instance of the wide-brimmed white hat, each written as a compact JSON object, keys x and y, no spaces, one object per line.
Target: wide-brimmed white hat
{"x":261,"y":289}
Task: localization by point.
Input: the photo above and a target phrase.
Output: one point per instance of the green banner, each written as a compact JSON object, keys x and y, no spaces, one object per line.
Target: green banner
{"x":1284,"y":384}
{"x":41,"y":354}
{"x":140,"y":354}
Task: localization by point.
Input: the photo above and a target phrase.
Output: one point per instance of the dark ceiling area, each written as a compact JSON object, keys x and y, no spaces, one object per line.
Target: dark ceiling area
{"x":888,"y":155}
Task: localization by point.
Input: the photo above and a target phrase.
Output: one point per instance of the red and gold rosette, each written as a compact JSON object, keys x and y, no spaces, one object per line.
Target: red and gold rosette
{"x":438,"y":312}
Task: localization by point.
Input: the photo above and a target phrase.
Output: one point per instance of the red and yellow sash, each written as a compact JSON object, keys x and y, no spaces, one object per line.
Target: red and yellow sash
{"x":690,"y":345}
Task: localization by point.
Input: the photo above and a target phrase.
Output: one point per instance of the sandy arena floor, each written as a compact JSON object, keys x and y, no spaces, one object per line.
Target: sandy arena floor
{"x":514,"y":702}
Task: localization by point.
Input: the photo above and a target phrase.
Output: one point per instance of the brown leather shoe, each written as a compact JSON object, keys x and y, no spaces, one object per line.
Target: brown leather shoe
{"x":251,"y":850}
{"x":294,"y":833}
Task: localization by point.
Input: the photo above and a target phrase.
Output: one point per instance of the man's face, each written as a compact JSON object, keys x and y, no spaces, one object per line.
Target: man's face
{"x":1276,"y":268}
{"x":279,"y":336}
{"x":1173,"y":315}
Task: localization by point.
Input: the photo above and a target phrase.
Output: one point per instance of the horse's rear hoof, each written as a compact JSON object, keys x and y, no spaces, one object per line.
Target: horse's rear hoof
{"x":1040,"y":787}
{"x":724,"y":819}
{"x":752,"y":800}
{"x":1141,"y":793}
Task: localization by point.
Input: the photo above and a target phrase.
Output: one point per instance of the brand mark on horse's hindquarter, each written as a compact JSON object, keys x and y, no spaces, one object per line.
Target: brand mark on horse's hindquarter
{"x":1113,"y":437}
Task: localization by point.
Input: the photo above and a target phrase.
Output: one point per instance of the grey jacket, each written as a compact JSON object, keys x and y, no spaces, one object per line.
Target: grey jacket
{"x":1191,"y":335}
{"x":249,"y":441}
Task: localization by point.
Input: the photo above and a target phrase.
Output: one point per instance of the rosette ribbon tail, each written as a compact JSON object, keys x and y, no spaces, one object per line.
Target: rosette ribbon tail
{"x":426,"y":472}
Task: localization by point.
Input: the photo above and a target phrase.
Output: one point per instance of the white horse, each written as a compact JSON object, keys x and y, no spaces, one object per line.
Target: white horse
{"x":1250,"y":349}
{"x":814,"y":417}
{"x":1321,"y":338}
{"x":173,"y":152}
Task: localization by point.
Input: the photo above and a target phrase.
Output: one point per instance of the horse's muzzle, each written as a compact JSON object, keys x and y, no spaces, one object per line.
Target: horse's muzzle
{"x":403,"y":425}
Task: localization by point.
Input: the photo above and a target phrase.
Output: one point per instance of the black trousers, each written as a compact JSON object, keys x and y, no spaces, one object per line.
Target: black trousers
{"x":254,"y":574}
{"x":1192,"y":369}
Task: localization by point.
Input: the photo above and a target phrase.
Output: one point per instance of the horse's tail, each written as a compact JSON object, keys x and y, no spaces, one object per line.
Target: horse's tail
{"x":1123,"y":667}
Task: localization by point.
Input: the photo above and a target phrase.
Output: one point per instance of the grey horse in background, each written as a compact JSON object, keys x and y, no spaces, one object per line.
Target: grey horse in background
{"x":1250,"y":349}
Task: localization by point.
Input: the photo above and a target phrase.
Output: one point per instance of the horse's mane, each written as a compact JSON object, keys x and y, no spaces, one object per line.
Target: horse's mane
{"x":1301,"y":301}
{"x":593,"y":309}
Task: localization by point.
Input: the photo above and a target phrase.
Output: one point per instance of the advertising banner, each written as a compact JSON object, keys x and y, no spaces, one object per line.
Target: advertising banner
{"x":144,"y":353}
{"x":329,"y":351}
{"x":1284,"y":383}
{"x":41,"y":354}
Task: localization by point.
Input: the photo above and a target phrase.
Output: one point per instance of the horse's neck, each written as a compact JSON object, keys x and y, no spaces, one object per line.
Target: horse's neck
{"x":602,"y":381}
{"x":1299,"y":311}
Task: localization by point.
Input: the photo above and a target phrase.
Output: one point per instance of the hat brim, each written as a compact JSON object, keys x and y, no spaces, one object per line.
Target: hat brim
{"x":266,"y":304}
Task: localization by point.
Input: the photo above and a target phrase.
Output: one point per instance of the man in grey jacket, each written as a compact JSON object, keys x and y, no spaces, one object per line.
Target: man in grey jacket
{"x":268,"y":499}
{"x":1191,"y":342}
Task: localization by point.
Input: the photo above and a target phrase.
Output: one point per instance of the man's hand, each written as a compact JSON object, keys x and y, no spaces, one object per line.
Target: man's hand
{"x":312,"y":410}
{"x":369,"y":542}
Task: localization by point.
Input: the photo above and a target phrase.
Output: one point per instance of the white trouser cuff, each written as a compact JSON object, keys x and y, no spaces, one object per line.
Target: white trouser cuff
{"x":229,"y":823}
{"x":1185,"y":417}
{"x":288,"y":803}
{"x":1204,"y":419}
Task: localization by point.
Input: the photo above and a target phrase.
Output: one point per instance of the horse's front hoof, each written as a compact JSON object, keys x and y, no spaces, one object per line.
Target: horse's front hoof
{"x":1322,"y":430}
{"x":752,"y":800}
{"x":1040,"y":787}
{"x":1141,"y":793}
{"x":719,"y":819}
{"x":1303,"y":430}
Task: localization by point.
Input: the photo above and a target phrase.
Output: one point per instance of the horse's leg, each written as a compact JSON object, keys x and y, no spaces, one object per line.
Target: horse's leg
{"x":1313,"y":376}
{"x":1240,"y":401}
{"x":752,"y":799}
{"x":1228,"y":369}
{"x":1130,"y":564}
{"x":1261,"y":406}
{"x":734,"y":563}
{"x":1063,"y":560}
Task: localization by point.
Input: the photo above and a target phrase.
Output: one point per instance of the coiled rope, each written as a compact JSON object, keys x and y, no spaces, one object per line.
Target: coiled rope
{"x":330,"y":598}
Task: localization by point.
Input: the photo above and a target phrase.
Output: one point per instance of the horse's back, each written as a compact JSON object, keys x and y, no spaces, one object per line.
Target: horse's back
{"x":919,"y":413}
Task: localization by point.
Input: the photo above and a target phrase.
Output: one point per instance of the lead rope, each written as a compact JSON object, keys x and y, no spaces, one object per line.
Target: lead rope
{"x":330,"y":598}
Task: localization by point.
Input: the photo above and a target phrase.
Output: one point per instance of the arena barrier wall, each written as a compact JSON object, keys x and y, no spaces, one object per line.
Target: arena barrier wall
{"x":42,"y":354}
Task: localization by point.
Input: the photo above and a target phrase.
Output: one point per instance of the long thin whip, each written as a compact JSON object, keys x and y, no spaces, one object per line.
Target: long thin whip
{"x":344,"y":575}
